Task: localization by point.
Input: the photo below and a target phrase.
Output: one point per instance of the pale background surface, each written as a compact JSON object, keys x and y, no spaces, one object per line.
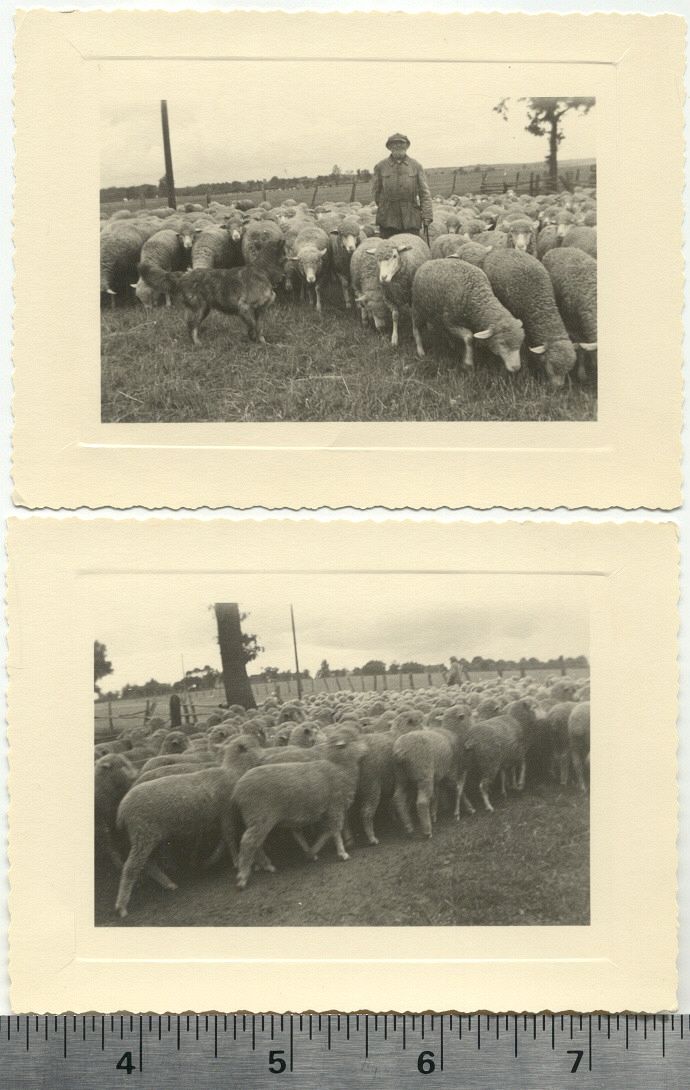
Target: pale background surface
{"x":649,"y":7}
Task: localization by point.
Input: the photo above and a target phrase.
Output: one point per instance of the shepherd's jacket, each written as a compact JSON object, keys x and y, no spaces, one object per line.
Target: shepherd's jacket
{"x":402,"y":194}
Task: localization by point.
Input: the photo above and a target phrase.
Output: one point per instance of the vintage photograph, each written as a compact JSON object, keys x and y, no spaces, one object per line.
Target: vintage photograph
{"x":378,"y":258}
{"x":357,"y":752}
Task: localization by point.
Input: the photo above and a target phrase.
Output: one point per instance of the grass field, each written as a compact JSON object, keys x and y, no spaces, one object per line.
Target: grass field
{"x":528,"y":863}
{"x":313,"y":368}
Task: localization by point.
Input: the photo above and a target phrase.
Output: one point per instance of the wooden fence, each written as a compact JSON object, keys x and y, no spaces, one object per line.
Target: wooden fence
{"x":443,"y":183}
{"x":113,"y":716}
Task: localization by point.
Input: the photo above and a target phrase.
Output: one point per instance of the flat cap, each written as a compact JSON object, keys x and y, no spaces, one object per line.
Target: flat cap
{"x":397,"y":136}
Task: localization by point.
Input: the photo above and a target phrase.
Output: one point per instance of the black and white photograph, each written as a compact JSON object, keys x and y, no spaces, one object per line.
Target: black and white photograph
{"x":360,"y":242}
{"x":344,"y":751}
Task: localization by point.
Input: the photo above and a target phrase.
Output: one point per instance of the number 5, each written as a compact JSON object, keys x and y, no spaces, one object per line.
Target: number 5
{"x":276,"y":1063}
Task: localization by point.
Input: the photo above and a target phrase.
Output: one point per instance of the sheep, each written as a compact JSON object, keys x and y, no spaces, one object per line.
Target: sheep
{"x":425,"y":758}
{"x":585,"y":238}
{"x":295,"y":795}
{"x":257,"y":235}
{"x":495,"y":745}
{"x":449,"y":245}
{"x":376,"y":770}
{"x":399,"y":258}
{"x":211,"y":249}
{"x":557,"y":725}
{"x":305,"y":735}
{"x":458,"y":296}
{"x":114,"y":775}
{"x":311,"y":259}
{"x":578,"y":742}
{"x":196,"y":803}
{"x":165,"y":251}
{"x":342,"y":243}
{"x":366,"y":286}
{"x":574,"y":277}
{"x":521,"y":233}
{"x":547,"y":239}
{"x":523,"y":286}
{"x":175,"y":742}
{"x":119,"y":256}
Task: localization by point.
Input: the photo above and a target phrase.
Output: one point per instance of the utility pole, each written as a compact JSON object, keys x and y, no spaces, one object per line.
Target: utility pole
{"x":169,"y":180}
{"x":294,"y":644}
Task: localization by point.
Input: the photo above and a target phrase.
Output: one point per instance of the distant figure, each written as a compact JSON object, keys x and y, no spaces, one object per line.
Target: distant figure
{"x":457,"y":672}
{"x":401,"y":191}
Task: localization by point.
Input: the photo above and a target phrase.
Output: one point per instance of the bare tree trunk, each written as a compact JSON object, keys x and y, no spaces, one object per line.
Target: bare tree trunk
{"x":238,"y":689}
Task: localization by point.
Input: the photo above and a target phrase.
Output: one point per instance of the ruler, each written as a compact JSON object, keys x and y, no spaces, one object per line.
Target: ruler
{"x":320,"y":1051}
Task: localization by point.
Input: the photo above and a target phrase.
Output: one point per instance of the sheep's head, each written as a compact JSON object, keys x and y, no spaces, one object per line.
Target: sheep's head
{"x":348,"y":232}
{"x":520,"y":233}
{"x":505,"y":341}
{"x":144,"y":293}
{"x":186,"y":235}
{"x":389,"y":261}
{"x":559,"y":358}
{"x":310,"y":261}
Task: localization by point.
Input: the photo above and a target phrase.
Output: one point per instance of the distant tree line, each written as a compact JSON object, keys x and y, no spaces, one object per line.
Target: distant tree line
{"x":132,"y":192}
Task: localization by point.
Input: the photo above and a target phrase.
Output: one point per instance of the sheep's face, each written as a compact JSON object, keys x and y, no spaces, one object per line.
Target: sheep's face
{"x":389,"y":265}
{"x":505,"y":343}
{"x":521,"y":236}
{"x":144,"y":293}
{"x":186,"y":237}
{"x":559,"y":359}
{"x":310,"y":263}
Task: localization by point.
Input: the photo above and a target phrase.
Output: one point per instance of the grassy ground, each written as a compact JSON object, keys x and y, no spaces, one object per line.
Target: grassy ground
{"x":528,"y":863}
{"x":314,"y":368}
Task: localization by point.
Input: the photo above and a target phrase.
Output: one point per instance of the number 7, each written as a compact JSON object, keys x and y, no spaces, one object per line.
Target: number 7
{"x":578,"y":1054}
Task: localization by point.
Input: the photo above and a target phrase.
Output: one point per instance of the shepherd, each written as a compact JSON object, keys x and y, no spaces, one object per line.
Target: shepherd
{"x":401,"y":191}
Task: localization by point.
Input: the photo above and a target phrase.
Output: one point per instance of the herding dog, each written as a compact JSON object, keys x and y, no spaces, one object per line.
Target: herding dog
{"x":247,"y":291}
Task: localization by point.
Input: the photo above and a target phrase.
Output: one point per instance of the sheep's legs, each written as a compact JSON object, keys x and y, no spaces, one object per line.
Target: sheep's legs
{"x":395,"y":315}
{"x":425,"y":801}
{"x":368,"y":812}
{"x":400,"y":800}
{"x":251,"y":843}
{"x":346,"y":291}
{"x":564,"y":764}
{"x":522,"y":775}
{"x":578,"y":770}
{"x":502,"y":777}
{"x":483,"y":791}
{"x":301,"y":840}
{"x":317,"y":293}
{"x":134,"y":865}
{"x":247,"y":315}
{"x":335,"y":833}
{"x":194,"y":318}
{"x":159,"y":876}
{"x":416,"y":332}
{"x":465,"y":335}
{"x":461,"y":798}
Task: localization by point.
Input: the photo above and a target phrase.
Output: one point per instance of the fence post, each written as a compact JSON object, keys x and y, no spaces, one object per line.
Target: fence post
{"x":194,"y":715}
{"x":313,"y":196}
{"x":401,"y":680}
{"x":337,"y":682}
{"x":110,"y":715}
{"x":376,"y":685}
{"x":263,"y":190}
{"x":208,"y":199}
{"x":428,"y":677}
{"x":175,"y":711}
{"x":560,"y":659}
{"x":353,"y":190}
{"x":455,"y":178}
{"x":517,"y":182}
{"x":385,"y":683}
{"x":411,"y":679}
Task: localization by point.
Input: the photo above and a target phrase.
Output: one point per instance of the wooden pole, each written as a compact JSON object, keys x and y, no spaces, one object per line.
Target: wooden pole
{"x":313,"y":198}
{"x":169,"y":179}
{"x":294,"y":644}
{"x":455,"y":178}
{"x":110,"y":714}
{"x":353,"y":190}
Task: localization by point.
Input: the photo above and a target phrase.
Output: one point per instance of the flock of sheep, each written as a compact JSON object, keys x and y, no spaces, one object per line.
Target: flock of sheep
{"x":324,"y":766}
{"x":514,"y":272}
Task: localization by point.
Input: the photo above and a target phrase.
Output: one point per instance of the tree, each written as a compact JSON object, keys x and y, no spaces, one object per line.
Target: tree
{"x":101,"y":664}
{"x":324,"y":669}
{"x":236,"y":650}
{"x":336,"y":171}
{"x":374,"y":666}
{"x":545,"y":116}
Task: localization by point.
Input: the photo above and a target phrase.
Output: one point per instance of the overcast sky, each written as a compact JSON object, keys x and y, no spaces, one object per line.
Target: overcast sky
{"x":239,"y":120}
{"x":151,"y":621}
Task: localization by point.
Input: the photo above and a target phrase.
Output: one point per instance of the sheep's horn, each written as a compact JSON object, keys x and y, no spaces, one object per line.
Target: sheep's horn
{"x":539,"y":349}
{"x":588,"y":347}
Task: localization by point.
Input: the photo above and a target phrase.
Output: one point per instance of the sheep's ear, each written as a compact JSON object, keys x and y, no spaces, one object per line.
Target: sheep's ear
{"x":371,"y":251}
{"x":324,"y":251}
{"x":406,"y":246}
{"x":457,"y":256}
{"x":334,"y":232}
{"x":591,"y":347}
{"x":133,"y":285}
{"x":539,"y":349}
{"x":109,"y":291}
{"x":483,"y":334}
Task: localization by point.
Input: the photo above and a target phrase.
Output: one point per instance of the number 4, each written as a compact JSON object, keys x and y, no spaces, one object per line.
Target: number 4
{"x":578,"y":1054}
{"x":125,"y":1063}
